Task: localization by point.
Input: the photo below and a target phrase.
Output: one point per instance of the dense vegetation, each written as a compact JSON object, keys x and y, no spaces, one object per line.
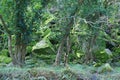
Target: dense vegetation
{"x":59,"y":39}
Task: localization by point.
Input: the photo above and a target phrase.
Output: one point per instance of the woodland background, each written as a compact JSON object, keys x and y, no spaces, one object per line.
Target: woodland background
{"x":59,"y":39}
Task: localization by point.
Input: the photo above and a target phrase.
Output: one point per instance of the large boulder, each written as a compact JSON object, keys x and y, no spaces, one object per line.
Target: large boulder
{"x":43,"y":47}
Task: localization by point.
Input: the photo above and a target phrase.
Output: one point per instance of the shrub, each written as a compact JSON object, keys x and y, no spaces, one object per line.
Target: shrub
{"x":5,"y":59}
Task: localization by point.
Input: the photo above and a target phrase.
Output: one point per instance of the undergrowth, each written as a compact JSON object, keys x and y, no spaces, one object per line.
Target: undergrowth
{"x":49,"y":72}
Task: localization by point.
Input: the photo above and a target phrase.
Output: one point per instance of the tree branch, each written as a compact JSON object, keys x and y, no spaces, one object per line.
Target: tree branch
{"x":9,"y":39}
{"x":4,"y":25}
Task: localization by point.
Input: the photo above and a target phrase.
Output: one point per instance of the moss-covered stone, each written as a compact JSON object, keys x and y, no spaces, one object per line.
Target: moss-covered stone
{"x":43,"y":47}
{"x":105,"y":68}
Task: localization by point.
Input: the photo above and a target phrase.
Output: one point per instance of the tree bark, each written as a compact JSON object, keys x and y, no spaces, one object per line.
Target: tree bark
{"x":59,"y":54}
{"x":67,"y":51}
{"x":20,"y":51}
{"x":89,"y":49}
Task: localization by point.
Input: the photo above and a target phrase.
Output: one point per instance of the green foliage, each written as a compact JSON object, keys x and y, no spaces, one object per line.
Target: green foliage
{"x":7,"y":12}
{"x":56,"y":73}
{"x":68,"y":74}
{"x":116,"y":54}
{"x":47,"y":17}
{"x":101,"y":56}
{"x":4,"y":59}
{"x":45,"y":22}
{"x":34,"y":62}
{"x":76,"y":57}
{"x":4,"y":52}
{"x":49,"y":58}
{"x":29,"y":49}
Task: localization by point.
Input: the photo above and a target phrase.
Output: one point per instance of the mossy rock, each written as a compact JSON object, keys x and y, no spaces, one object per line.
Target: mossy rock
{"x":43,"y":47}
{"x":105,"y":68}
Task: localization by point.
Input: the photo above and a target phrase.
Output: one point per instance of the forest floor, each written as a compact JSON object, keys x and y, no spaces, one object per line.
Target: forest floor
{"x":50,"y":72}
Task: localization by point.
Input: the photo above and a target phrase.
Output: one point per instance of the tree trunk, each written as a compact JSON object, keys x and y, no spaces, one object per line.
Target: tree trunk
{"x":66,"y":42}
{"x":59,"y":53}
{"x":20,"y":54}
{"x":18,"y":57}
{"x":10,"y":49}
{"x":89,"y":49}
{"x":64,"y":39}
{"x":67,"y":51}
{"x":21,"y":33}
